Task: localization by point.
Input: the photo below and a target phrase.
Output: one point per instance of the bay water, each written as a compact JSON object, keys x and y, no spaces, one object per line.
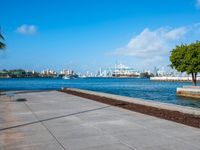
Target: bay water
{"x":131,"y":87}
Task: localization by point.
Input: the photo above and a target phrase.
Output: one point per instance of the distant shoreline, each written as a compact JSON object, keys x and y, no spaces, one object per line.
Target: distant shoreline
{"x":77,"y":78}
{"x":174,"y":79}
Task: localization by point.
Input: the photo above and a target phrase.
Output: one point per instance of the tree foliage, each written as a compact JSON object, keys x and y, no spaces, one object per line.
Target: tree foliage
{"x":186,"y":58}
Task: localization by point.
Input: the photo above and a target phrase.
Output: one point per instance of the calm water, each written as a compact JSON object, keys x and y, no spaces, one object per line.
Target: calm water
{"x":140,"y":88}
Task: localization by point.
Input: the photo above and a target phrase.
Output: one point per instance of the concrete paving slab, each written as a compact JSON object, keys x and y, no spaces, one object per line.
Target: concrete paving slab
{"x":14,"y":113}
{"x":66,"y":104}
{"x":27,"y":137}
{"x":61,"y":121}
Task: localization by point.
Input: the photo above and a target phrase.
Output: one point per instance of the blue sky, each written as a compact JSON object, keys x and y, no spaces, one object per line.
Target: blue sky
{"x":88,"y":34}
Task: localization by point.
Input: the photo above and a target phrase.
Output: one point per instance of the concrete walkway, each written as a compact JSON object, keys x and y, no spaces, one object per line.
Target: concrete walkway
{"x":58,"y":121}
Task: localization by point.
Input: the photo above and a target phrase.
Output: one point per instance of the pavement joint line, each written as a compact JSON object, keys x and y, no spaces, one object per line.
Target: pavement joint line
{"x":133,"y":148}
{"x":124,"y":143}
{"x":122,"y":119}
{"x":129,"y":146}
{"x":52,"y":118}
{"x":45,"y":126}
{"x":186,"y":115}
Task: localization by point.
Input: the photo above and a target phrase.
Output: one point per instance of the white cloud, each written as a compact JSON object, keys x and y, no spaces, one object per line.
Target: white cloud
{"x":198,"y":3}
{"x":152,"y":48}
{"x":27,"y":29}
{"x":152,"y":43}
{"x":176,"y":33}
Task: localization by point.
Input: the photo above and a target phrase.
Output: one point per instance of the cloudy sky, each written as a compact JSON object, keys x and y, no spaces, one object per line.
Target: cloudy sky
{"x":88,"y":34}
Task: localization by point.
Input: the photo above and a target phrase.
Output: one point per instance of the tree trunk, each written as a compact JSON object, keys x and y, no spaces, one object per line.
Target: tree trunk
{"x":194,"y":78}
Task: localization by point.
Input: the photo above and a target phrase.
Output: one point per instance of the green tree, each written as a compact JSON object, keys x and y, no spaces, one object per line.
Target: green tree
{"x":186,"y":58}
{"x":2,"y":45}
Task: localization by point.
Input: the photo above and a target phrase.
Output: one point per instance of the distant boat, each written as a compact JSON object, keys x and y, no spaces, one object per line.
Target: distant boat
{"x":66,"y":77}
{"x":83,"y":76}
{"x":70,"y":77}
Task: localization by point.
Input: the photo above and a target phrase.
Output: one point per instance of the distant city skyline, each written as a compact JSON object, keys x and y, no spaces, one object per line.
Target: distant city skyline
{"x":84,"y":35}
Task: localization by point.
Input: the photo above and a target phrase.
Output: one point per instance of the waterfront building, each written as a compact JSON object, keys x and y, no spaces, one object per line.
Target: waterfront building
{"x":4,"y":74}
{"x":104,"y":73}
{"x":67,"y":72}
{"x":48,"y":72}
{"x":161,"y":72}
{"x":89,"y":74}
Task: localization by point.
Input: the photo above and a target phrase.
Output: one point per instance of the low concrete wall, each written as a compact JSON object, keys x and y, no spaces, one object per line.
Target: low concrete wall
{"x":189,"y":91}
{"x":181,"y":114}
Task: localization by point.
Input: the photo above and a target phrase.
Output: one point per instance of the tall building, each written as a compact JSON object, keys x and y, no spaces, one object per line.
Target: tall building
{"x":48,"y":72}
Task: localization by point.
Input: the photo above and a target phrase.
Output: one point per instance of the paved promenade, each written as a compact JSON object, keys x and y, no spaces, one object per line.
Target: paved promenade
{"x":59,"y":121}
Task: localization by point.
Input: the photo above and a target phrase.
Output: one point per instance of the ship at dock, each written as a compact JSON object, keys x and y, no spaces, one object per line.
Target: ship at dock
{"x":122,"y":71}
{"x":68,"y":74}
{"x":119,"y":71}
